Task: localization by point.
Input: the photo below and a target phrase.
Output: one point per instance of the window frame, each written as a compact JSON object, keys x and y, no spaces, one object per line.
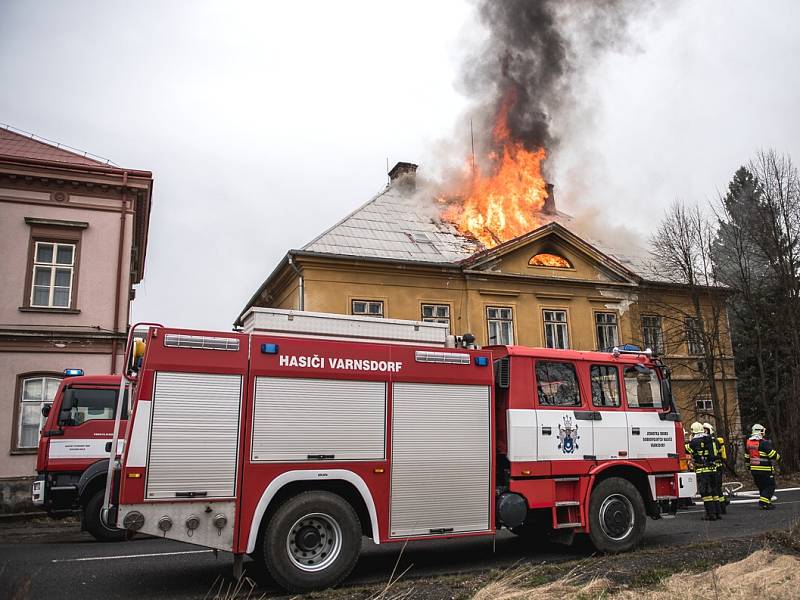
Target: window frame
{"x":49,"y":231}
{"x":694,"y":341}
{"x":16,"y":420}
{"x":565,"y":323}
{"x":614,"y":368}
{"x":597,"y":325}
{"x":435,"y":319}
{"x":708,"y":404}
{"x":574,"y":368}
{"x":54,"y":266}
{"x":353,"y":312}
{"x":509,"y":320}
{"x":658,"y":347}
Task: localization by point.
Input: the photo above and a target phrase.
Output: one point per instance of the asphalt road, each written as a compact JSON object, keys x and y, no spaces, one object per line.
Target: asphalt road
{"x":60,"y":562}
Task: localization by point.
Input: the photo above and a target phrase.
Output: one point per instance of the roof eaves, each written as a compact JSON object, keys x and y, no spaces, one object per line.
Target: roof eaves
{"x":263,"y":286}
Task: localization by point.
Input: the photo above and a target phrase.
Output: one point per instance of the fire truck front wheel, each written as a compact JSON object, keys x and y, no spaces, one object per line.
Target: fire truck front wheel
{"x":312,"y":541}
{"x":94,"y":525}
{"x":616,"y":516}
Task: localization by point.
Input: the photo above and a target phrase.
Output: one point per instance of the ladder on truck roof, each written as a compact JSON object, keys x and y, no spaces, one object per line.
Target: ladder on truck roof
{"x":282,"y":322}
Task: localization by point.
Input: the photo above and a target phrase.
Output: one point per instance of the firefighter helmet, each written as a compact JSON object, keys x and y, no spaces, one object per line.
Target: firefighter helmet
{"x":708,"y":427}
{"x":697,"y":427}
{"x":758,"y":429}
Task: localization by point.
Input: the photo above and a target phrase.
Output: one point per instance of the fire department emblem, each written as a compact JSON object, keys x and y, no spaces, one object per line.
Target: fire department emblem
{"x":568,"y":436}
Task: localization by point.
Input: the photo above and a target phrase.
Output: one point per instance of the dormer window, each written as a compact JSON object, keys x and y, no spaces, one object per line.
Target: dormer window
{"x":546,"y":259}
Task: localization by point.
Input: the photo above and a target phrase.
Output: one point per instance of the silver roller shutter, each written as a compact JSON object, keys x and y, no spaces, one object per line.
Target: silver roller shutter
{"x":440,"y":459}
{"x":195,"y":434}
{"x":294,"y":419}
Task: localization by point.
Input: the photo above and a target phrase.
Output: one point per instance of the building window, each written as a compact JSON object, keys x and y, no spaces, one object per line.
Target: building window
{"x":35,"y":392}
{"x":53,"y":266}
{"x":545,"y":259}
{"x":501,"y":325}
{"x":703,"y":404}
{"x":436,"y":313}
{"x":555,"y":329}
{"x":368,"y":308}
{"x":606,"y":327}
{"x":694,"y":339}
{"x":652,"y":334}
{"x":605,"y":385}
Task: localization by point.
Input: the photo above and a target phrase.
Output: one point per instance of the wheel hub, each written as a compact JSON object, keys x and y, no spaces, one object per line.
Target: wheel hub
{"x":314,"y":542}
{"x":616,"y":516}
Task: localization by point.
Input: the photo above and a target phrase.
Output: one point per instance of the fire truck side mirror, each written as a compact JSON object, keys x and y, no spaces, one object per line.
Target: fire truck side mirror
{"x":46,"y":409}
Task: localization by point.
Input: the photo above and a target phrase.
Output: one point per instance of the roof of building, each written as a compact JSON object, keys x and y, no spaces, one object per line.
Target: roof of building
{"x":19,"y":145}
{"x":400,"y":225}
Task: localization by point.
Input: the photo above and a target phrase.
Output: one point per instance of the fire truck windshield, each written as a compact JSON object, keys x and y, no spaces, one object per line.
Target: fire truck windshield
{"x":84,"y":404}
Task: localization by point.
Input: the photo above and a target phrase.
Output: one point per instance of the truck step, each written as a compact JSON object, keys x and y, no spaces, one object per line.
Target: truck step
{"x":567,"y":525}
{"x":568,"y":503}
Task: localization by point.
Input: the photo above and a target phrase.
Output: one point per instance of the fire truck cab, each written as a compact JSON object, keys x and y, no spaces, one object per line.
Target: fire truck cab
{"x":74,"y":447}
{"x":293,"y":439}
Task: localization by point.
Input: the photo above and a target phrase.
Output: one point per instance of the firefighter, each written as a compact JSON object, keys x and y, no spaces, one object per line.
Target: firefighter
{"x":763,"y":456}
{"x":701,"y":448}
{"x":722,"y":456}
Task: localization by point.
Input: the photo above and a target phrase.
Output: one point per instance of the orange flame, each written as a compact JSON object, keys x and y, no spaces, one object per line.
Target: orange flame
{"x":508,"y":201}
{"x":544,"y":259}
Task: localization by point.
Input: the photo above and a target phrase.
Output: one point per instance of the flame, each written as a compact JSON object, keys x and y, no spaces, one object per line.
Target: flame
{"x":544,"y":259}
{"x":506,"y":202}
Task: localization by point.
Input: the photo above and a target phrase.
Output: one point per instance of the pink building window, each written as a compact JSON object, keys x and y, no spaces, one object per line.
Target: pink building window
{"x":52,"y":275}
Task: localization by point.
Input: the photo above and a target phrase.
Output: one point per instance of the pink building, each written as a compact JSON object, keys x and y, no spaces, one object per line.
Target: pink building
{"x":73,"y":236}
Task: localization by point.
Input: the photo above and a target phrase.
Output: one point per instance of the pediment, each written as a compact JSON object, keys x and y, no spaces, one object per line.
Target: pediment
{"x":555,"y":252}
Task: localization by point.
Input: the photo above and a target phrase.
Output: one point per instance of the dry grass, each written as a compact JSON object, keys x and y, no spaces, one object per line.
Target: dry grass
{"x":764,"y":574}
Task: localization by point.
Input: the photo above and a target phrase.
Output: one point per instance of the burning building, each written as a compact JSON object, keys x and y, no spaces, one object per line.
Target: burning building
{"x":466,"y":263}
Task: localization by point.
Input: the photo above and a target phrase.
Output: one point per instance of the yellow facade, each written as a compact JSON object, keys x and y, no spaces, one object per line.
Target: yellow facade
{"x":503,"y":278}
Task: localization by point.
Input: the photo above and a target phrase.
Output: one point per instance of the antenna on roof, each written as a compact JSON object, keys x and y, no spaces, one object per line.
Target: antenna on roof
{"x":472,"y":141}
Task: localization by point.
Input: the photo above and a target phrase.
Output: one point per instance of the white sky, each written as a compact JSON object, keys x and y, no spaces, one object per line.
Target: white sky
{"x":266,"y":122}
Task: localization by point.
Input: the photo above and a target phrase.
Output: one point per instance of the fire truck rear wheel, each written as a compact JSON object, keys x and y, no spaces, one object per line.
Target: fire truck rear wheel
{"x":93,"y":524}
{"x":616,"y":516}
{"x":312,"y":541}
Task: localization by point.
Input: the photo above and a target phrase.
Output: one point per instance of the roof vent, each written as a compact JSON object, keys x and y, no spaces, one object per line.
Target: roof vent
{"x":404,"y":174}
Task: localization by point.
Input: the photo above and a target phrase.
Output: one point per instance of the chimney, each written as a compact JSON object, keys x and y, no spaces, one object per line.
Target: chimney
{"x":549,"y":207}
{"x":404,"y":175}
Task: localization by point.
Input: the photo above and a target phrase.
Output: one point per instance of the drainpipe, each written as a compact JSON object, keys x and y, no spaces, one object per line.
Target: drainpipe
{"x":302,"y":283}
{"x":122,"y":215}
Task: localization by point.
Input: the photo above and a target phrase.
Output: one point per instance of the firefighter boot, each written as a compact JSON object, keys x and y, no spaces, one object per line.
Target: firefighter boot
{"x":718,"y":510}
{"x":709,"y":516}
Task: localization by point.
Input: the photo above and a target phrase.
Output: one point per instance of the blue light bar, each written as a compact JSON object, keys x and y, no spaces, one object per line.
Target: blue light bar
{"x":269,"y":348}
{"x":482,"y":361}
{"x":73,"y":372}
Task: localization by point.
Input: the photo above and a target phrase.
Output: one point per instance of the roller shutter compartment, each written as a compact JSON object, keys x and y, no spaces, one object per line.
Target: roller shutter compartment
{"x":440,"y":459}
{"x":308,"y":420}
{"x":194,"y":435}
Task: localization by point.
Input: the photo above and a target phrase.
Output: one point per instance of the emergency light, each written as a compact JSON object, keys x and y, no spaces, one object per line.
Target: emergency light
{"x":269,"y":348}
{"x":482,"y":361}
{"x":73,"y":372}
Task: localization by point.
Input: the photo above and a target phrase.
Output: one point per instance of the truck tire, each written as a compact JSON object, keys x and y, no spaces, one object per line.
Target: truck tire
{"x":312,"y":541}
{"x":616,"y":516}
{"x":95,"y":526}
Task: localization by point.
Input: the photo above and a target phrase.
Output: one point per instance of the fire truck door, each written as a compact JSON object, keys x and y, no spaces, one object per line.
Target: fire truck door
{"x":648,"y":435}
{"x":564,"y":429}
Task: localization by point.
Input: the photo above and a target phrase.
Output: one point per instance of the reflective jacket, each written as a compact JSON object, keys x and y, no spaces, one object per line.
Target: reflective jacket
{"x":702,"y":449}
{"x":762,"y":454}
{"x":722,"y":453}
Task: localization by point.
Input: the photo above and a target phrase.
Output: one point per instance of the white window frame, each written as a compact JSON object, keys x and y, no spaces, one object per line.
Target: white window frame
{"x":39,"y":403}
{"x":54,"y":266}
{"x":367,"y":304}
{"x":653,"y":333}
{"x":602,"y":324}
{"x":703,"y":404}
{"x":501,"y":319}
{"x":553,"y":326}
{"x":439,"y":313}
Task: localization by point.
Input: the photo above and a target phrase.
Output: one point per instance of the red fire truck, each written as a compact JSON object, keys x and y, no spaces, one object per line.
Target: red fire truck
{"x":74,"y":447}
{"x":289,"y":441}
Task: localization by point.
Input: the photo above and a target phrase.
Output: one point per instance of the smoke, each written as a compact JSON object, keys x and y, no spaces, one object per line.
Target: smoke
{"x":534,"y":59}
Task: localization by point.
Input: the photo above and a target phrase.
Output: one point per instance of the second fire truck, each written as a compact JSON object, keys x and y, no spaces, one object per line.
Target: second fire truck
{"x":292,"y":439}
